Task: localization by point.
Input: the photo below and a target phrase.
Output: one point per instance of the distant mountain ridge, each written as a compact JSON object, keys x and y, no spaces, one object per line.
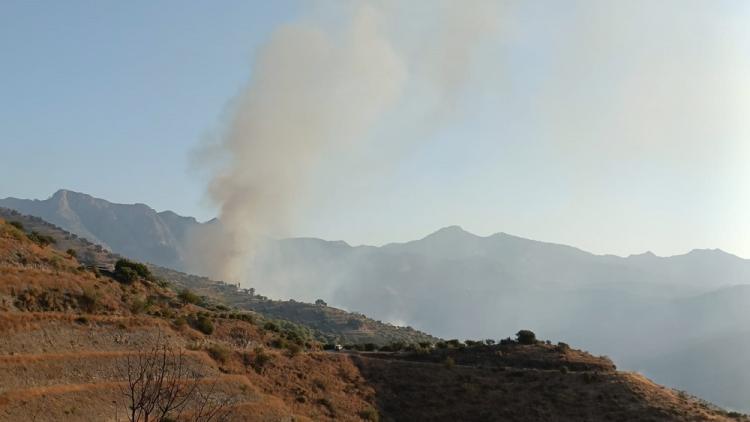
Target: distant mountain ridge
{"x":139,"y":231}
{"x":134,"y":230}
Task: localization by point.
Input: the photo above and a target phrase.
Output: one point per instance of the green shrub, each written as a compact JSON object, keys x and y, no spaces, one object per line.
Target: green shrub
{"x":278,"y":343}
{"x":453,"y":343}
{"x":126,"y":275}
{"x":162,"y":283}
{"x":526,"y":337}
{"x":187,"y":296}
{"x":72,"y":253}
{"x":16,"y":224}
{"x":270,"y":326}
{"x":202,"y":323}
{"x":180,"y":322}
{"x":41,"y":239}
{"x":260,"y":360}
{"x":128,"y":271}
{"x":294,"y":349}
{"x":397,"y":346}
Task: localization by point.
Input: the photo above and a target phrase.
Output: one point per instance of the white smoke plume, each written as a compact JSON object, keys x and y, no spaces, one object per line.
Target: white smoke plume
{"x":314,"y":93}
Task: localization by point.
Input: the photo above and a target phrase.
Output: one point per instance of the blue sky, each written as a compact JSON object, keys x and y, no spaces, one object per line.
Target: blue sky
{"x":108,"y":97}
{"x":617,"y":127}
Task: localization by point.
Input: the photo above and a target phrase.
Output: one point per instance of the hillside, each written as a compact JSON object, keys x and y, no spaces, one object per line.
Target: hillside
{"x":71,"y":336}
{"x":68,"y":333}
{"x":329,"y":324}
{"x":453,"y":283}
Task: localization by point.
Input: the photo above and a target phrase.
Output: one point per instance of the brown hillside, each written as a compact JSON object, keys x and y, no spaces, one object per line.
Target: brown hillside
{"x":328,"y":324}
{"x":68,"y":333}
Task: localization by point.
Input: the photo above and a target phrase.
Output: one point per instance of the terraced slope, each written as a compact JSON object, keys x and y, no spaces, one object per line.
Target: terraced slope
{"x":417,"y":390}
{"x":68,"y":333}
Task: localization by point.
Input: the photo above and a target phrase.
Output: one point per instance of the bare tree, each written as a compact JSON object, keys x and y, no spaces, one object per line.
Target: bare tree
{"x":160,"y":386}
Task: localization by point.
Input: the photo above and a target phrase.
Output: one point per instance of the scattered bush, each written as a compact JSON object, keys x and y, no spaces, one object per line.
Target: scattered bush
{"x":56,"y":262}
{"x":278,"y":343}
{"x":15,"y":232}
{"x":202,"y":323}
{"x":219,"y":353}
{"x":162,"y":283}
{"x":294,"y":349}
{"x":270,"y":326}
{"x":328,"y":405}
{"x":320,"y":384}
{"x":260,"y":360}
{"x":128,"y":271}
{"x":88,"y":301}
{"x":526,"y":337}
{"x":16,"y":224}
{"x":453,"y":343}
{"x":139,"y":305}
{"x":180,"y":322}
{"x":240,"y":337}
{"x":370,"y":415}
{"x":126,"y":275}
{"x":355,"y":324}
{"x":321,"y":302}
{"x":187,"y":296}
{"x":42,"y":240}
{"x":72,"y":253}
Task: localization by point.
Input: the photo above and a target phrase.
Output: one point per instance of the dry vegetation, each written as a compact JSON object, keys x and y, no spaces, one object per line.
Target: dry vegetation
{"x":81,"y":344}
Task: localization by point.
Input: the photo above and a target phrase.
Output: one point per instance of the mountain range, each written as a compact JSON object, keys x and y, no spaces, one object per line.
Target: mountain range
{"x":665,"y":316}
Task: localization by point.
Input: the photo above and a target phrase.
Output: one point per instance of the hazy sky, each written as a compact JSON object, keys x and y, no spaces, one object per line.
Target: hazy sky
{"x":617,"y":127}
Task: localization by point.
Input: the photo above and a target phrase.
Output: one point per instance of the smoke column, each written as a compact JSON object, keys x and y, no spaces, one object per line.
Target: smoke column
{"x":313,"y":93}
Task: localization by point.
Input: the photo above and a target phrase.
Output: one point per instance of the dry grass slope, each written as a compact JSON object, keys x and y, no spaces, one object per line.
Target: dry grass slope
{"x":67,"y":333}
